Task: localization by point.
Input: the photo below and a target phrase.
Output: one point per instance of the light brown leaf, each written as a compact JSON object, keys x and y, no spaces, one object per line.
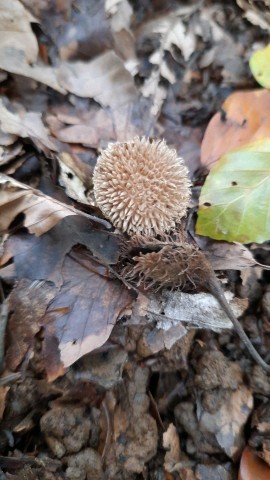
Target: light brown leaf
{"x":19,"y":46}
{"x":8,"y":153}
{"x":104,"y":78}
{"x":15,"y":30}
{"x":41,"y":211}
{"x":171,"y":445}
{"x":92,"y":128}
{"x":76,"y":177}
{"x":26,"y":125}
{"x":14,"y":61}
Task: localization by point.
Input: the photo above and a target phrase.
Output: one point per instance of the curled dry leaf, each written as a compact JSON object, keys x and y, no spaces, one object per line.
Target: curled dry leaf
{"x":41,"y":211}
{"x":19,"y":46}
{"x":26,"y":125}
{"x":92,"y":128}
{"x":14,"y":61}
{"x":225,"y":255}
{"x":15,"y":30}
{"x":255,"y":13}
{"x":172,"y":446}
{"x":76,"y":177}
{"x":120,"y":14}
{"x":8,"y":153}
{"x":241,"y":122}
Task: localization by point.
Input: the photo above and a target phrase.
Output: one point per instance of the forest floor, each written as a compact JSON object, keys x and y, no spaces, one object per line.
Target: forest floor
{"x":100,"y":380}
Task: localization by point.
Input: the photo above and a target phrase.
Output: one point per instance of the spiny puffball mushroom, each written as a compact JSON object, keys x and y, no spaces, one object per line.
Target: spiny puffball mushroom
{"x":141,"y":186}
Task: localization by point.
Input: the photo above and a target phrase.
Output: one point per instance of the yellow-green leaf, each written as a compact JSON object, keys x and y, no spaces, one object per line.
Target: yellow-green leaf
{"x":260,"y":66}
{"x":235,"y":199}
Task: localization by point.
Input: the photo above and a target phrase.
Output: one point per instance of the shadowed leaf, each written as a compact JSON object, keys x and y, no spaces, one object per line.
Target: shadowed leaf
{"x":95,"y":303}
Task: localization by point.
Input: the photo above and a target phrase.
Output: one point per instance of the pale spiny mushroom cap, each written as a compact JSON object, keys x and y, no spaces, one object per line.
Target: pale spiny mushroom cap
{"x":141,"y":186}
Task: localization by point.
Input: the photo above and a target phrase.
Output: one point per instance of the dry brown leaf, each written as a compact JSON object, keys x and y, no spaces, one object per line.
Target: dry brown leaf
{"x":173,"y":31}
{"x":104,"y":78}
{"x":94,"y":302}
{"x":41,"y":211}
{"x":172,"y":446}
{"x":19,"y":46}
{"x":10,"y":152}
{"x":255,"y":13}
{"x":15,"y":30}
{"x":28,"y":302}
{"x":92,"y":128}
{"x":76,"y":177}
{"x":252,"y":467}
{"x":14,"y":61}
{"x":225,"y":255}
{"x":26,"y":125}
{"x":120,"y":13}
{"x":3,"y":393}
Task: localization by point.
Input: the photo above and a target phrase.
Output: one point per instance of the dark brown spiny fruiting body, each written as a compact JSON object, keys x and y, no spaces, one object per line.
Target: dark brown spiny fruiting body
{"x":174,"y":265}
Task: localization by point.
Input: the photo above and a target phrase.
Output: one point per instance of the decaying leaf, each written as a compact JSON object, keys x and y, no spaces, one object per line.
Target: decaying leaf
{"x":41,"y":211}
{"x":200,"y":310}
{"x":243,"y":121}
{"x":225,"y":255}
{"x":48,"y":251}
{"x":28,"y":303}
{"x":94,"y":302}
{"x":172,"y":446}
{"x":234,"y":202}
{"x":104,"y":78}
{"x":76,"y":177}
{"x":251,"y":467}
{"x":14,"y":61}
{"x":3,"y":393}
{"x":26,"y":125}
{"x":8,"y":153}
{"x":173,"y":30}
{"x":7,"y":139}
{"x":15,"y":30}
{"x":120,"y":13}
{"x":19,"y":46}
{"x":256,"y":13}
{"x":92,"y":128}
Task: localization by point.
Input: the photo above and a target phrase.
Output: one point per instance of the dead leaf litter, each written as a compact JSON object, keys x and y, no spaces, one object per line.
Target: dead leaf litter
{"x":105,"y":373}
